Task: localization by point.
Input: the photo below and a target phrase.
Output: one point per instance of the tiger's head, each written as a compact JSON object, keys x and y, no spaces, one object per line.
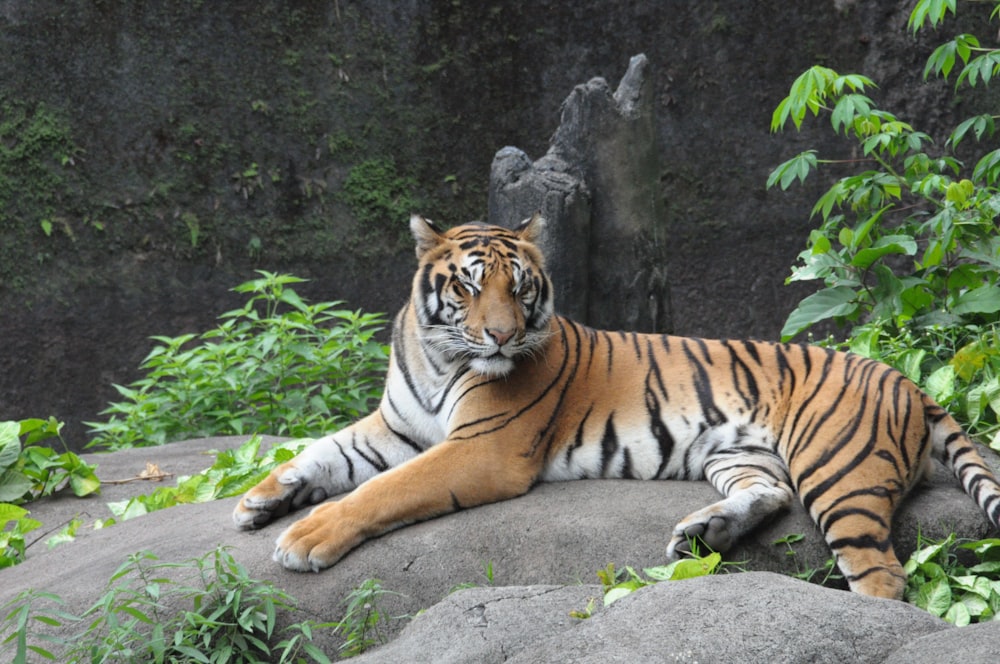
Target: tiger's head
{"x":481,"y":293}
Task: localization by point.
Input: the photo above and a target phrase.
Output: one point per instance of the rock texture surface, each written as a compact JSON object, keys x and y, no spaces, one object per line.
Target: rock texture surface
{"x":543,"y":548}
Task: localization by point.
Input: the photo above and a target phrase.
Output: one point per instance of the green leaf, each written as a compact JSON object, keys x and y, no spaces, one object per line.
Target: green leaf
{"x":10,"y":512}
{"x":621,"y":590}
{"x":933,"y":11}
{"x":980,"y":125}
{"x":940,"y":385}
{"x":848,"y":109}
{"x":935,"y":597}
{"x":84,"y":483}
{"x":827,"y":303}
{"x":797,"y":167}
{"x":890,"y":244}
{"x":987,"y":168}
{"x":957,"y":614}
{"x":806,"y":95}
{"x":10,"y":444}
{"x":13,"y":486}
{"x":983,"y":300}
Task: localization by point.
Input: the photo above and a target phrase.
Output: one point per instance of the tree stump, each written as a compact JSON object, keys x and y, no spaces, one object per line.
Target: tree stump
{"x":598,"y":188}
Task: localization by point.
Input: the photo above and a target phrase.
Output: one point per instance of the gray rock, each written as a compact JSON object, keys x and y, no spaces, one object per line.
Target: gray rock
{"x":486,"y":625}
{"x":973,"y":643}
{"x":739,"y":618}
{"x":558,"y":534}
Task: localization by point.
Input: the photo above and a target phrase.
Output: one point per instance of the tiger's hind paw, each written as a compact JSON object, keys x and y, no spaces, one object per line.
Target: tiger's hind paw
{"x":711,"y":530}
{"x":285,"y":489}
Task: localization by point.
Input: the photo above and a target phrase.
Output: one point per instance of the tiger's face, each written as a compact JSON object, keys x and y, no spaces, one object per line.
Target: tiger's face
{"x":481,"y":294}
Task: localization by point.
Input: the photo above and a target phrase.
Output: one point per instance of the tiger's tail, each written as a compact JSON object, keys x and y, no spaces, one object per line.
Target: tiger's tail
{"x":953,"y":447}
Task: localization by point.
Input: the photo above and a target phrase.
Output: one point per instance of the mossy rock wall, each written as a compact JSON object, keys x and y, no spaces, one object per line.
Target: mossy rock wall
{"x":152,"y":155}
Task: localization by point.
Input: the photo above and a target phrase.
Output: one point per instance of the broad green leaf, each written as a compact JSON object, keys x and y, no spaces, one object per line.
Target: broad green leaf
{"x":827,"y":303}
{"x":796,"y":167}
{"x":10,"y":444}
{"x":10,"y":512}
{"x":935,"y":597}
{"x":980,"y":125}
{"x":910,"y":362}
{"x":691,"y":568}
{"x":864,"y":229}
{"x":621,"y":590}
{"x":940,"y":385}
{"x":957,"y":615}
{"x":13,"y":486}
{"x":84,"y":483}
{"x":891,"y":244}
{"x":987,"y":167}
{"x":820,"y":243}
{"x":983,"y":300}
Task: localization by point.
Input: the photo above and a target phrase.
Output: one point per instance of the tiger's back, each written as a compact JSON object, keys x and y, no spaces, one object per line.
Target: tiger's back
{"x":490,"y":392}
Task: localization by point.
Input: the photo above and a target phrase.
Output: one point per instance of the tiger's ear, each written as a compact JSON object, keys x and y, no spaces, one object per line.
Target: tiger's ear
{"x":531,"y":229}
{"x":425,"y":233}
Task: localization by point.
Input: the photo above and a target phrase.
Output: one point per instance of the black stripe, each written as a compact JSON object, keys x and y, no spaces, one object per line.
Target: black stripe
{"x":350,"y":464}
{"x":861,"y":542}
{"x":626,"y":469}
{"x":375,"y":460}
{"x":703,"y":386}
{"x":578,"y":440}
{"x":609,"y":444}
{"x":833,"y":517}
{"x":409,"y":442}
{"x":874,"y":570}
{"x":658,"y":427}
{"x":738,"y":367}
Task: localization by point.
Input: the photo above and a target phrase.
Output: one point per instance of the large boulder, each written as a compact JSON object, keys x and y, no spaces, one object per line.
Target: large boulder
{"x":737,"y":618}
{"x":559,"y":534}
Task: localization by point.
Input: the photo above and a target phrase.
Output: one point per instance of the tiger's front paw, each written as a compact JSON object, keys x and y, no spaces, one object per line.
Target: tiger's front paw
{"x":286,"y":488}
{"x":317,"y":541}
{"x":710,"y":529}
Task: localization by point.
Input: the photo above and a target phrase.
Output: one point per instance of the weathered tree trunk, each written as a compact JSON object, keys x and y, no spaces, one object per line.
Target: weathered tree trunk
{"x":598,"y":187}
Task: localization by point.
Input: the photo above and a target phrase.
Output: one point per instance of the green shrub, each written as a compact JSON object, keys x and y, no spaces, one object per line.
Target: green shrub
{"x":277,"y":365}
{"x":907,"y":249}
{"x":941,"y":584}
{"x":29,"y":471}
{"x":208,"y":610}
{"x":234,"y":472}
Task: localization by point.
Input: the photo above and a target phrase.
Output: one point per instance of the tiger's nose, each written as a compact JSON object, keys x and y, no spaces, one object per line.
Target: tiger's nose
{"x":499,"y":336}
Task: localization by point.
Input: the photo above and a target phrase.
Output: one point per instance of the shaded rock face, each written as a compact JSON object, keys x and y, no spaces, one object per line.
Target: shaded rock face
{"x":543,"y":550}
{"x":181,"y":146}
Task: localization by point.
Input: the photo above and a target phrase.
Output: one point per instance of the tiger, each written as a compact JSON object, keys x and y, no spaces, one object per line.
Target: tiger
{"x":489,"y":392}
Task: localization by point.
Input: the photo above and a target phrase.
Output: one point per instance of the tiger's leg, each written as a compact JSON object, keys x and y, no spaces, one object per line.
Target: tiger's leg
{"x":331,"y":465}
{"x":450,"y":476}
{"x":856,"y":527}
{"x":755,"y":484}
